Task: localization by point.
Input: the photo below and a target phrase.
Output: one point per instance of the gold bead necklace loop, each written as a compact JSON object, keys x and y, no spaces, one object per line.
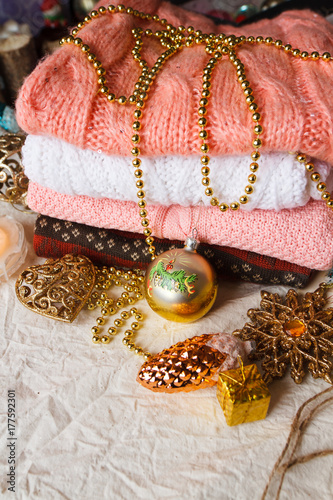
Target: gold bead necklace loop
{"x":131,"y":282}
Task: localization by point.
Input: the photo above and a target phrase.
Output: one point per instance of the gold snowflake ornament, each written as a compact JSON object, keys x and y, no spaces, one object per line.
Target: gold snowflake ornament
{"x":295,"y":332}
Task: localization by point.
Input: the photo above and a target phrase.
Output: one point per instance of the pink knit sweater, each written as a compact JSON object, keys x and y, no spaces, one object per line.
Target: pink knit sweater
{"x":302,"y":235}
{"x":60,"y":97}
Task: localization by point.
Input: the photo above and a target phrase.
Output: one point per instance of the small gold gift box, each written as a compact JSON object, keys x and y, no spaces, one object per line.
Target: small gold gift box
{"x":243,"y":395}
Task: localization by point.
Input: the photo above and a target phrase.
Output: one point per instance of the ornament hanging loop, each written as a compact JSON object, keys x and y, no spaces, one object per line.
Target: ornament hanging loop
{"x":191,"y":244}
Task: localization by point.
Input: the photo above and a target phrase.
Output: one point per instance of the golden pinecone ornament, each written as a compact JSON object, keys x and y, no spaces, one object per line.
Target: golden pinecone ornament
{"x":192,"y":364}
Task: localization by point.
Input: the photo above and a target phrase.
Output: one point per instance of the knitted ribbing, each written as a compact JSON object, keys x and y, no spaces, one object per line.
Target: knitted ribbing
{"x":60,"y":97}
{"x":301,"y":235}
{"x":282,"y":182}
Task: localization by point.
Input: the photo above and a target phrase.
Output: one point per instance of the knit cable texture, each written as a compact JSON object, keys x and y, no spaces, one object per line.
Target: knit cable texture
{"x":301,"y":235}
{"x":282,"y":182}
{"x":60,"y":98}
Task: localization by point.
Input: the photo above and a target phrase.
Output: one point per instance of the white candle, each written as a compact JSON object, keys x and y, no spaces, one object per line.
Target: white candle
{"x":4,"y":241}
{"x":13,"y":247}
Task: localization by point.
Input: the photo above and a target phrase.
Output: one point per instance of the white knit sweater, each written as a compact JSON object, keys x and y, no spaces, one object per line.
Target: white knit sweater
{"x":282,"y":182}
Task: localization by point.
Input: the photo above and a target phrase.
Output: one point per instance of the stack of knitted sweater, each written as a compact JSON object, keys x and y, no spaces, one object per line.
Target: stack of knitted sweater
{"x":77,"y":153}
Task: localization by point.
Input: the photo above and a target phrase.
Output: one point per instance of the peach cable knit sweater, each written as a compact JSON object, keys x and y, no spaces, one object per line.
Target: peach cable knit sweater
{"x":60,"y":97}
{"x":302,"y":235}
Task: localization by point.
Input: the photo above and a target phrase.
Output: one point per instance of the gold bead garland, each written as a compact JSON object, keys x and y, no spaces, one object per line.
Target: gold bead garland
{"x":218,"y":46}
{"x":131,"y":281}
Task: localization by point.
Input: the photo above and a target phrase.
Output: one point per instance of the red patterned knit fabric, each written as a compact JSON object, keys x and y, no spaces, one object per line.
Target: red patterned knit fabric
{"x":55,"y":238}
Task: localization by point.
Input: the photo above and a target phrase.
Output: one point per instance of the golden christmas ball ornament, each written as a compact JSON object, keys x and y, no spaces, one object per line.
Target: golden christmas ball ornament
{"x":180,"y":284}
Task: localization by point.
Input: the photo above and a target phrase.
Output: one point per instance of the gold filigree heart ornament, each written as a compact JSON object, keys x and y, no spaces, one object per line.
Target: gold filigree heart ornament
{"x":57,"y":289}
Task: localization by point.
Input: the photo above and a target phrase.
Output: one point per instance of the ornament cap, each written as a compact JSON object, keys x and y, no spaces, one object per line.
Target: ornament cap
{"x":191,"y":244}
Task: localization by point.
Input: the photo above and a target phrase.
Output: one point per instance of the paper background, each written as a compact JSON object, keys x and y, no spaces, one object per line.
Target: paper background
{"x":86,"y":429}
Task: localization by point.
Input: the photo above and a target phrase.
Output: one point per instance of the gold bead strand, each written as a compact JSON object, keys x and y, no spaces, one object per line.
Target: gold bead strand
{"x":136,"y":162}
{"x":93,"y":15}
{"x":203,"y":122}
{"x":100,"y":299}
{"x":100,"y":71}
{"x":190,"y":40}
{"x":315,"y":177}
{"x":92,"y":58}
{"x":109,"y":306}
{"x":302,"y":54}
{"x":136,"y":50}
{"x":275,"y":43}
{"x":142,"y":90}
{"x":203,"y":134}
{"x":129,"y":334}
{"x":314,"y":56}
{"x":135,"y":151}
{"x":256,"y":117}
